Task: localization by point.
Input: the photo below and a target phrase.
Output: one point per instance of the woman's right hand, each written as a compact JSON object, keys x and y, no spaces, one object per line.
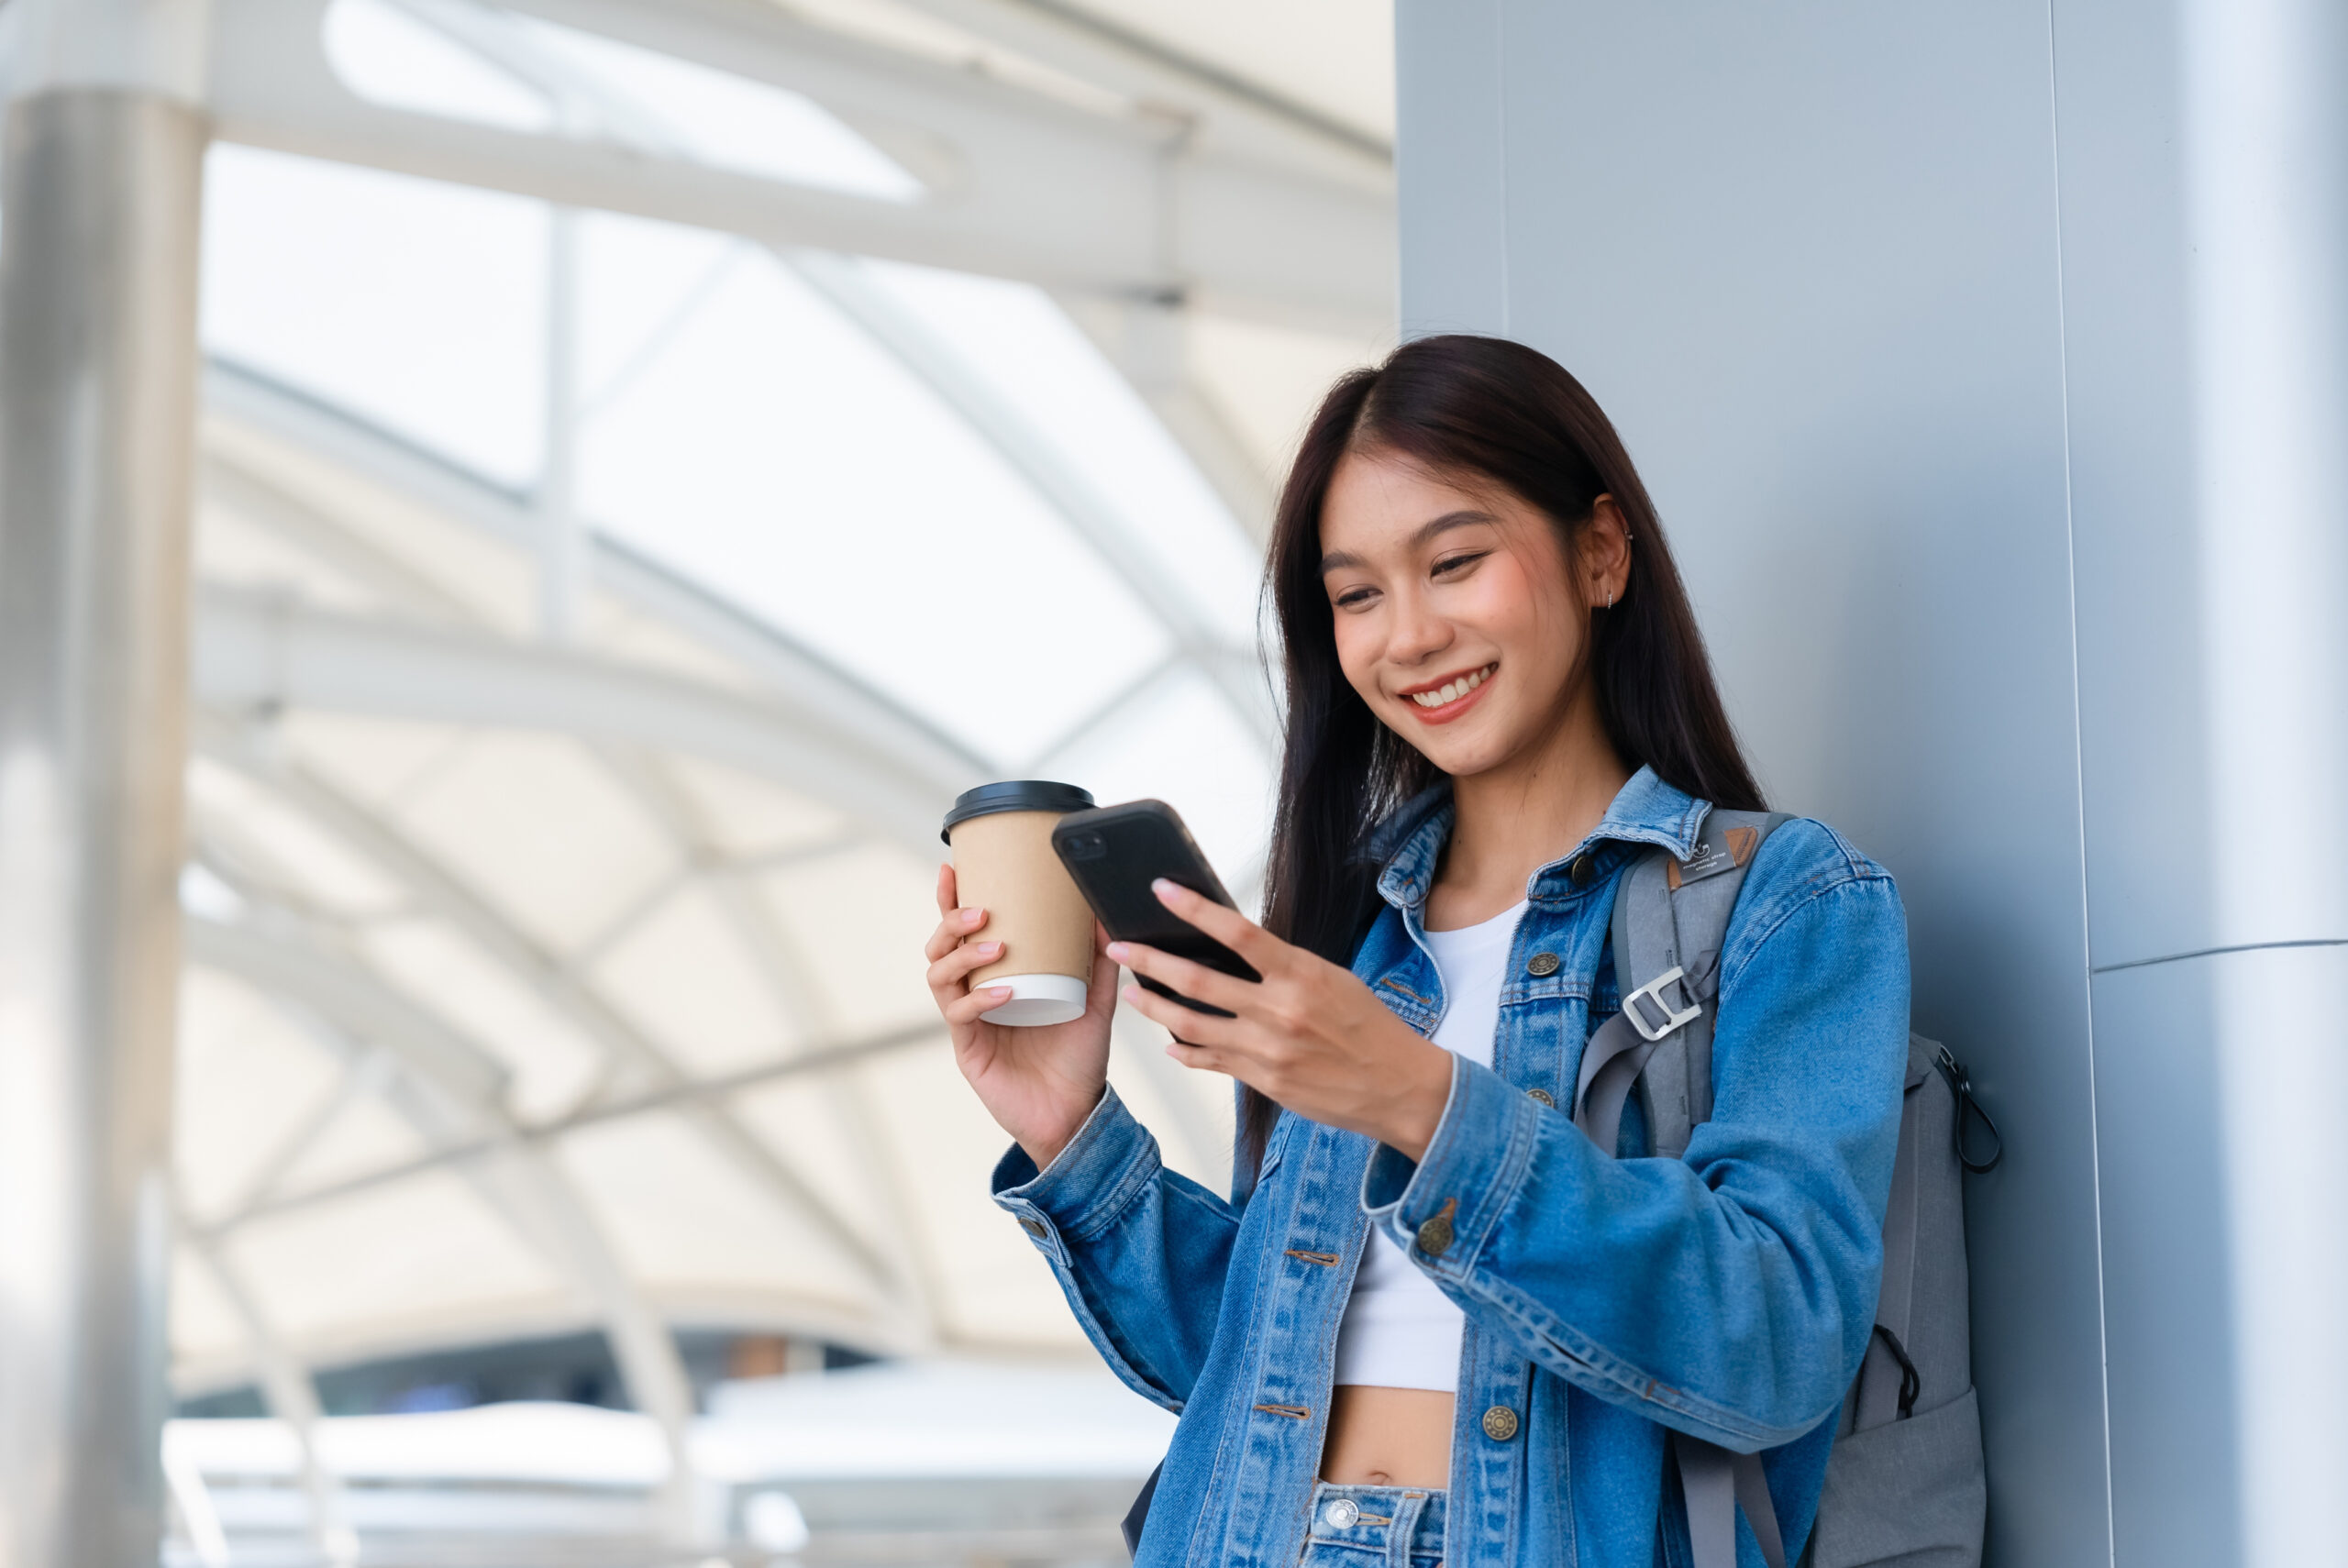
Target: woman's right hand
{"x":1038,"y":1084}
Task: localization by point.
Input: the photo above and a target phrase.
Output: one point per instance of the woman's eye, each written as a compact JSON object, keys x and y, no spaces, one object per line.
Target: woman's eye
{"x":1353,"y":598}
{"x":1451,"y":565}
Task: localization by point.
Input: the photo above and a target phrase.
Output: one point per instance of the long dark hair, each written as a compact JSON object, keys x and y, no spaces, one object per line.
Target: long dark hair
{"x":1487,"y":411}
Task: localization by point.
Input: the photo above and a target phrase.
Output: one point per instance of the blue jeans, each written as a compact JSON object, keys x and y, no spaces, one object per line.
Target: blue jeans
{"x":1374,"y":1527}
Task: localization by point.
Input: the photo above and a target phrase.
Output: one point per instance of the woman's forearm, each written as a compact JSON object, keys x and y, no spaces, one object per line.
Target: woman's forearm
{"x":1141,"y":1251}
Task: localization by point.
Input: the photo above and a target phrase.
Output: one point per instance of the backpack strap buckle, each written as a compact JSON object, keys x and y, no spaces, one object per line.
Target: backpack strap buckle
{"x":1652,"y":992}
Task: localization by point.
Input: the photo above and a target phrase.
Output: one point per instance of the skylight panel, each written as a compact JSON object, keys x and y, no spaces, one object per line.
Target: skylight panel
{"x":720,"y":119}
{"x":416,"y":305}
{"x":772,"y":452}
{"x":1043,"y":365}
{"x":644,"y":282}
{"x":388,"y":57}
{"x":1182,"y":743}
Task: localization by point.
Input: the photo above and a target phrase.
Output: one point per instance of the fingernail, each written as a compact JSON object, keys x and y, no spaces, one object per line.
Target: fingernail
{"x":1163,"y":888}
{"x":1132,"y":994}
{"x":989,"y":946}
{"x":1118,"y":950}
{"x":999,"y":993}
{"x":970,"y":917}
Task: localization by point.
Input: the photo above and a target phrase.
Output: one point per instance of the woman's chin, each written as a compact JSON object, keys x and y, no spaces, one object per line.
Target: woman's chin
{"x":1458,"y":750}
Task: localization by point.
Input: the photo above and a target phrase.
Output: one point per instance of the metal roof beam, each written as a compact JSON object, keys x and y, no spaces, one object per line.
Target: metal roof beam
{"x":798,"y":994}
{"x":259,"y":652}
{"x":1095,"y":48}
{"x":288,"y":1391}
{"x":447,"y":896}
{"x":800,"y":682}
{"x":1021,"y":186}
{"x":337,"y":988}
{"x":1149,"y":342}
{"x":530,"y":1188}
{"x":231,"y":485}
{"x":470,"y":1151}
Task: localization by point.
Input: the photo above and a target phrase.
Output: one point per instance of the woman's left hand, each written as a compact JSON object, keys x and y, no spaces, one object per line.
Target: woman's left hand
{"x":1309,"y":1034}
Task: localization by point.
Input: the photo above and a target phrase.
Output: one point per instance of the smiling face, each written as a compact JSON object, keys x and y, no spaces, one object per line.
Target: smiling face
{"x":1458,"y":616}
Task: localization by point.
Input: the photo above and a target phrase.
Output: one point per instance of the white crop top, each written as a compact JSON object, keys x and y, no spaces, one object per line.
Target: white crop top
{"x":1400,"y":1331}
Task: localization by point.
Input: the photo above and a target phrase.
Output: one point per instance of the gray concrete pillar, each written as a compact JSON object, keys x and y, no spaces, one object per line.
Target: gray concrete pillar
{"x":1988,"y":363}
{"x":99,"y":237}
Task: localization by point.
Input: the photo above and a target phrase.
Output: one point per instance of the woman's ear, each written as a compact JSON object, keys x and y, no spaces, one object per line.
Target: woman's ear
{"x":1603,"y":548}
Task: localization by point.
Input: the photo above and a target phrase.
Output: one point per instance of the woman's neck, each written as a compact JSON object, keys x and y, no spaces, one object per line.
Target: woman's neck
{"x":1512,"y":820}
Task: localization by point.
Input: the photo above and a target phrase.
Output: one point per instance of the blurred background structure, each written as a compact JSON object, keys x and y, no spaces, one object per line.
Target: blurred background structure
{"x":630,"y":463}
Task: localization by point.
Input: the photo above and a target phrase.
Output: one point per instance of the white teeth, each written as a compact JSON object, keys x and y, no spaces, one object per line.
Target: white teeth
{"x":1453,"y":690}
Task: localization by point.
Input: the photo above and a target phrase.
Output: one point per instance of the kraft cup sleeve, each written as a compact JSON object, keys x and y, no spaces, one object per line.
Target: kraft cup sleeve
{"x":1005,"y":862}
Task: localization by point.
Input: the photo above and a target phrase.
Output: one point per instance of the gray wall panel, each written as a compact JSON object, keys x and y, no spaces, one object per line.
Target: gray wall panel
{"x":2169,"y":1312}
{"x":2133,"y":478}
{"x":1807,"y":258}
{"x":1456,"y":244}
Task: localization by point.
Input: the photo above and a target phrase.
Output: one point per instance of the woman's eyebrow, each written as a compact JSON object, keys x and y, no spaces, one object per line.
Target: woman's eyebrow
{"x":1338,"y":560}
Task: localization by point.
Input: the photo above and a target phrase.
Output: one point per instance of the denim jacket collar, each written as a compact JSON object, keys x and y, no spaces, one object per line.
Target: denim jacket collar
{"x":1645,"y":810}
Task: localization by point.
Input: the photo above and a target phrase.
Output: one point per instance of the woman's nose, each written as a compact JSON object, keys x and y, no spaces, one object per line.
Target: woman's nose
{"x":1418,"y":631}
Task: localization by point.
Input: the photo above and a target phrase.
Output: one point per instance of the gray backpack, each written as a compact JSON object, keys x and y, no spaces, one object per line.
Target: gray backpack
{"x":1905,"y":1486}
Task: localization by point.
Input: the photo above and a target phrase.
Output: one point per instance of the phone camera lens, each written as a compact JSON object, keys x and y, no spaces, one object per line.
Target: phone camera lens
{"x":1086,"y":847}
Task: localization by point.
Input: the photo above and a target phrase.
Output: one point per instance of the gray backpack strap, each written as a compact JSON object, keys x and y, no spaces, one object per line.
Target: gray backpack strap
{"x":1708,"y":1487}
{"x":1670,"y":925}
{"x":1887,"y":1385}
{"x":1905,"y":1481}
{"x":1760,"y":1509}
{"x":1610,"y":1063}
{"x":1715,"y":1483}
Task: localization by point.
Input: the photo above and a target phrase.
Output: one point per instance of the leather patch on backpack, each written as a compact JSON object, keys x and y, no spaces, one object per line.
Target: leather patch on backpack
{"x":1709,"y":860}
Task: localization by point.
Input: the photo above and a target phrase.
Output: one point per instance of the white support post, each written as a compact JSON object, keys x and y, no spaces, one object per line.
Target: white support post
{"x":562,"y":556}
{"x":97,"y":407}
{"x":293,"y":1398}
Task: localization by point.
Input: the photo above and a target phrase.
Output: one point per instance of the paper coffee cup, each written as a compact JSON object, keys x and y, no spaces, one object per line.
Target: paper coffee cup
{"x":1004,"y":864}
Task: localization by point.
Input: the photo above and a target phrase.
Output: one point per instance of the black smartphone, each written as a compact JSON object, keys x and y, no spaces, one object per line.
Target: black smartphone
{"x":1116,"y":853}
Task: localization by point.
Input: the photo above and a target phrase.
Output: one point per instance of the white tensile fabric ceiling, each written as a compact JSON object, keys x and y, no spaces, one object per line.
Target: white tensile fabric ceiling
{"x":553,"y":939}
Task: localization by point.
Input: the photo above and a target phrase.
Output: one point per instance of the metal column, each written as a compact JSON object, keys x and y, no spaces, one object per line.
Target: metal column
{"x":98,"y":398}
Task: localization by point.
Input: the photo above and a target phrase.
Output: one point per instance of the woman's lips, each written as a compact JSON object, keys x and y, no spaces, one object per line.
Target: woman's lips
{"x":1455,"y":696}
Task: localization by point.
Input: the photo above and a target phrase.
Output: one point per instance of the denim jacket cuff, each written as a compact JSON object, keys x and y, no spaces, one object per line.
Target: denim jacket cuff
{"x":1473,"y":1166}
{"x":1091,"y":1181}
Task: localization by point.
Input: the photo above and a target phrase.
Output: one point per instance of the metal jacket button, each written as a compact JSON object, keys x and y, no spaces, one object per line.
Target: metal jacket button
{"x":1434,"y":1235}
{"x":1542,"y":964}
{"x":1542,"y":1096}
{"x":1035,"y":1227}
{"x":1582,"y":869}
{"x":1341,"y":1513}
{"x":1499,"y":1423}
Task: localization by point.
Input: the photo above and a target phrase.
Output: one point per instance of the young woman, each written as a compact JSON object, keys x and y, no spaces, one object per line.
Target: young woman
{"x":1433,"y":1321}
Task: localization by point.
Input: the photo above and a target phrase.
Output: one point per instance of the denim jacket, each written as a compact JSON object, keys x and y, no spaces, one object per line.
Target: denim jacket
{"x":1729,"y":1293}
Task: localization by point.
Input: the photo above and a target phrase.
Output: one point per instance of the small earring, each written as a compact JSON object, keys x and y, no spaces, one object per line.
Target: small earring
{"x":1609,"y":599}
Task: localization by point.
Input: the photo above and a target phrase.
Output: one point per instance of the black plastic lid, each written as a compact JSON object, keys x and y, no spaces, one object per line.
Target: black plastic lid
{"x":1015,"y":795}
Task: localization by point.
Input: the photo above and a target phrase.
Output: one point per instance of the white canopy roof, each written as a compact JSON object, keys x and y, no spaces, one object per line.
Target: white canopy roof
{"x":598,"y":610}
